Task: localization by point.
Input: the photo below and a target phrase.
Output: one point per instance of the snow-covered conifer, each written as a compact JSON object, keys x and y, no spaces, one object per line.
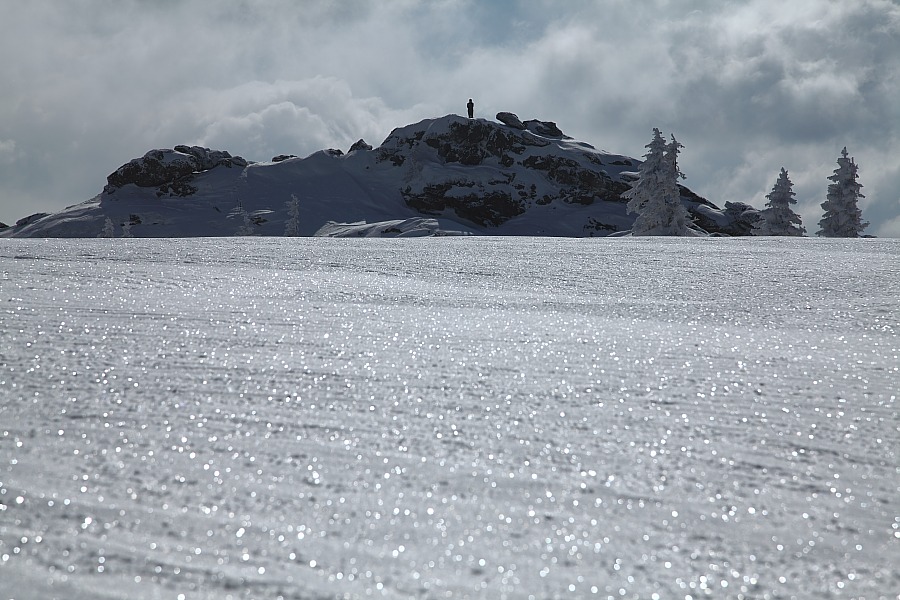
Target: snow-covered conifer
{"x":126,"y":230}
{"x":292,"y":226}
{"x":778,"y":218}
{"x":843,"y":218}
{"x":655,"y":196}
{"x":109,"y":229}
{"x":246,"y":227}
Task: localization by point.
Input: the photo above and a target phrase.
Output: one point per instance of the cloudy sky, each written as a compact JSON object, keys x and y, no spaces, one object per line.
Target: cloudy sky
{"x":748,"y":86}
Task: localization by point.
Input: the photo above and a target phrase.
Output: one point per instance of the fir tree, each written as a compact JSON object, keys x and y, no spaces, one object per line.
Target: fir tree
{"x":246,"y":227}
{"x":843,"y":218}
{"x":109,"y":229}
{"x":292,"y":226}
{"x":655,"y":196}
{"x":778,"y":218}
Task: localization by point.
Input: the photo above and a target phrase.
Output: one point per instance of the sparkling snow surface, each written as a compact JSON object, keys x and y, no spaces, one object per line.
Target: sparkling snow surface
{"x":465,"y":418}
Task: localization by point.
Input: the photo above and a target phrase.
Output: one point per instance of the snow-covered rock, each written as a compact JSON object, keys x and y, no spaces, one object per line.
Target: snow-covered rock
{"x":415,"y":227}
{"x":478,"y":176}
{"x":508,"y":118}
{"x":737,"y":219}
{"x":360,"y":144}
{"x":170,"y":170}
{"x":544,"y":128}
{"x":31,"y":219}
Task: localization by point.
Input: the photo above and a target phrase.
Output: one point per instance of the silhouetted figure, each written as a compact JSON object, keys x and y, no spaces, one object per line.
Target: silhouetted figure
{"x":471,"y":107}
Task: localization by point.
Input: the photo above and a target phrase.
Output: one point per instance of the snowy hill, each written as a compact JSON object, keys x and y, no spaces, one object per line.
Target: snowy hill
{"x":464,"y":176}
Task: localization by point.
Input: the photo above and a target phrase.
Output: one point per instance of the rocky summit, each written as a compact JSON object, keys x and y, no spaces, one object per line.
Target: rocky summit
{"x":448,"y":175}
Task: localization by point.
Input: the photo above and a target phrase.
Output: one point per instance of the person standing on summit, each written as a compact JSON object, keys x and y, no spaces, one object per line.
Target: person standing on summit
{"x":471,"y":107}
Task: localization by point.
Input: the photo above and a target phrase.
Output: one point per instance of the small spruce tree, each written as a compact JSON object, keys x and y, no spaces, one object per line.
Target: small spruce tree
{"x":655,"y":196}
{"x":843,"y":218}
{"x":246,"y":227}
{"x":778,"y":218}
{"x":292,"y":226}
{"x":109,"y":229}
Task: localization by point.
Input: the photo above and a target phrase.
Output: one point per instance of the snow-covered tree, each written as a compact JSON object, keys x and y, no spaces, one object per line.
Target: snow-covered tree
{"x":778,"y":218}
{"x":292,"y":226}
{"x":126,"y":230}
{"x":843,"y":218}
{"x":109,"y":229}
{"x":246,"y":227}
{"x":655,"y":196}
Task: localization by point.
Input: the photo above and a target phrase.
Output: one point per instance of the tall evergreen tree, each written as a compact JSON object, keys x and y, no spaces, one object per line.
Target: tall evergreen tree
{"x":292,"y":225}
{"x":655,"y":196}
{"x":778,"y":218}
{"x":843,"y":218}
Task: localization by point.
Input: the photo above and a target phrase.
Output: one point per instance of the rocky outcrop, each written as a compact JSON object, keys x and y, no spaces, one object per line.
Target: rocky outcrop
{"x":737,"y":219}
{"x":484,"y":207}
{"x":510,"y":119}
{"x":544,"y":128}
{"x":360,"y":144}
{"x":170,"y":171}
{"x":528,"y":168}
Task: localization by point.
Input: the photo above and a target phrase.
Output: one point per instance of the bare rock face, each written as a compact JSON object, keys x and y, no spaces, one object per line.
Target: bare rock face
{"x":171,"y":171}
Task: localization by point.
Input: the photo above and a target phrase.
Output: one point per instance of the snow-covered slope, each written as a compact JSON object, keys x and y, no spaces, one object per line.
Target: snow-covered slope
{"x":470,"y":175}
{"x":476,"y":417}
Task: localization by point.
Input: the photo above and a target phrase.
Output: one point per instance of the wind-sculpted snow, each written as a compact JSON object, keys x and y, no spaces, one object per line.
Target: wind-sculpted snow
{"x":451,"y":417}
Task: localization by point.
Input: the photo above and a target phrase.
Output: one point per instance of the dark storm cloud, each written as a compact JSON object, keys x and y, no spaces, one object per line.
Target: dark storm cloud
{"x":747,"y":86}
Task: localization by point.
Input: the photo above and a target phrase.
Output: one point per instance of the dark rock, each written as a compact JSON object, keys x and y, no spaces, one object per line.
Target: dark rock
{"x":170,"y":170}
{"x":544,"y":128}
{"x":594,"y":226}
{"x":360,"y":144}
{"x":209,"y":159}
{"x":737,"y":219}
{"x":334,"y":152}
{"x":584,"y":186}
{"x":488,"y":208}
{"x":283,"y":157}
{"x":472,"y":143}
{"x":508,"y":118}
{"x":743,"y":216}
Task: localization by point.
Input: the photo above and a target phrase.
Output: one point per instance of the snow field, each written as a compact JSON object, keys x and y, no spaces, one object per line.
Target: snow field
{"x":465,"y":418}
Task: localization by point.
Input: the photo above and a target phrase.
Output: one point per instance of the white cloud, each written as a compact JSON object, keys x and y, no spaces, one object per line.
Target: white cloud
{"x":7,"y":151}
{"x":890,"y":228}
